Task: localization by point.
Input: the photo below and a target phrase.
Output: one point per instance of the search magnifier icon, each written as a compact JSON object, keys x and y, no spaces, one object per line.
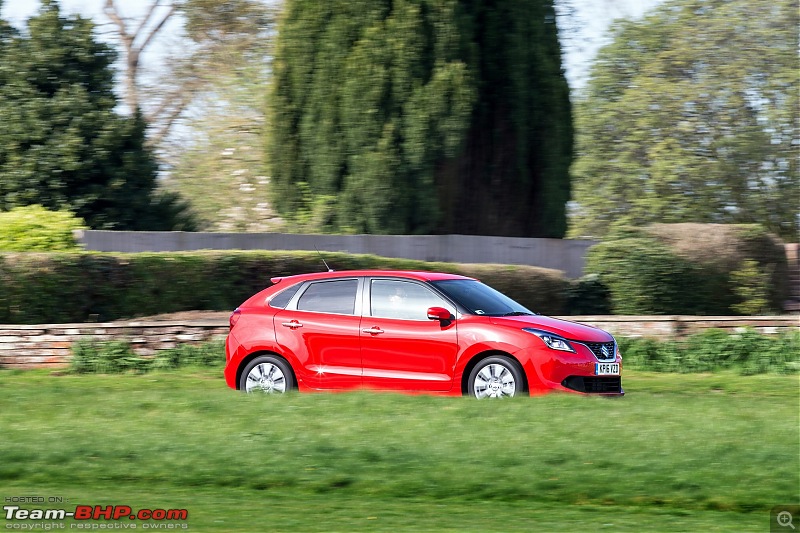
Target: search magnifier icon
{"x":785,"y":519}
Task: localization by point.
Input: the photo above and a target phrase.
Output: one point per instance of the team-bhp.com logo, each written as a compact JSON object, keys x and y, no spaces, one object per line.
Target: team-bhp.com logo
{"x":158,"y":518}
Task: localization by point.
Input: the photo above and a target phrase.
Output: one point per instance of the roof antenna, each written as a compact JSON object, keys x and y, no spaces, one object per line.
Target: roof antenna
{"x":323,"y":259}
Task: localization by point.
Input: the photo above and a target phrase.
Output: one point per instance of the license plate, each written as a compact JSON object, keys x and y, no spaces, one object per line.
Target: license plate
{"x":606,"y":369}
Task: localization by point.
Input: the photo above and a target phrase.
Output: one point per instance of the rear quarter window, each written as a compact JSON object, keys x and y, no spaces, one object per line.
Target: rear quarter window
{"x":281,"y":300}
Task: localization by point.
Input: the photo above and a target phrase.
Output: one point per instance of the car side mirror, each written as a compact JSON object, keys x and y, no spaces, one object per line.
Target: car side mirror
{"x":439,"y":313}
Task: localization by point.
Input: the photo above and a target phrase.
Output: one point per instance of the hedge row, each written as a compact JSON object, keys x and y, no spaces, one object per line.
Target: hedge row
{"x":691,"y":269}
{"x":79,"y":287}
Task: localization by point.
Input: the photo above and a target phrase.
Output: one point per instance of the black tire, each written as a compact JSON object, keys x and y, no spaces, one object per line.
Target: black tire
{"x":268,"y":374}
{"x":497,"y":376}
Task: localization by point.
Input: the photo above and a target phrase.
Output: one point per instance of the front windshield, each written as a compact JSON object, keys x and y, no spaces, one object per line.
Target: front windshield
{"x":480,"y":299}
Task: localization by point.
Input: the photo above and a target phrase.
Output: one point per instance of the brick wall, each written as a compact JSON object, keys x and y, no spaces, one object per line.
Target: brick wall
{"x":48,"y":346}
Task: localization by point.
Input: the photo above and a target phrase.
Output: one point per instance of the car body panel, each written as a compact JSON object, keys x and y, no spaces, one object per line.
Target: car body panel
{"x":408,"y":354}
{"x":327,"y":348}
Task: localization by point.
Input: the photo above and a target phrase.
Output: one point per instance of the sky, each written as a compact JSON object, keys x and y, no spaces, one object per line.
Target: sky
{"x":18,"y":11}
{"x":591,"y":19}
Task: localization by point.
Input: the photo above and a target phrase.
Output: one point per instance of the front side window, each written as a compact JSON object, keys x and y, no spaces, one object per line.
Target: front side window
{"x":402,"y":299}
{"x":330,"y":297}
{"x":480,"y":299}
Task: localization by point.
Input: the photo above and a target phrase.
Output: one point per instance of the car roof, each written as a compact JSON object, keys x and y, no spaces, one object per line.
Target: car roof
{"x":409,"y":274}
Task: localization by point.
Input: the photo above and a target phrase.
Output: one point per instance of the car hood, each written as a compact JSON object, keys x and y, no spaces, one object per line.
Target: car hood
{"x":565,"y":328}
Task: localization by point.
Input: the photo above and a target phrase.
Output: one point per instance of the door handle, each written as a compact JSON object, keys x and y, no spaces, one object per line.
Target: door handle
{"x":374,"y":330}
{"x":294,"y":324}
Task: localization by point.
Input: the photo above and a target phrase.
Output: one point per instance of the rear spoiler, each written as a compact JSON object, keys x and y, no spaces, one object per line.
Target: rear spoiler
{"x":276,"y":279}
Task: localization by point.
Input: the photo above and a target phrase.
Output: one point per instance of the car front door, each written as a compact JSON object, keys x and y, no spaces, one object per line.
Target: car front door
{"x":401,"y":349}
{"x":320,"y":327}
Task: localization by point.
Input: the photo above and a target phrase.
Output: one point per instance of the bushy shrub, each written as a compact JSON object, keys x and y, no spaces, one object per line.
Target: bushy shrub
{"x":209,"y":354}
{"x":114,"y":357}
{"x":704,"y":269}
{"x":34,"y":228}
{"x":751,"y":284}
{"x":712,"y":350}
{"x":588,"y":296}
{"x":721,"y":249}
{"x":76,"y":287}
{"x":644,"y":277}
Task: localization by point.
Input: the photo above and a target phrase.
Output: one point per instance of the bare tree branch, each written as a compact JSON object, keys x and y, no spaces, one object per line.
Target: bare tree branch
{"x":170,"y":108}
{"x":158,"y":27}
{"x":147,"y":17}
{"x":132,"y":50}
{"x":219,"y":38}
{"x":131,"y":96}
{"x":166,"y":123}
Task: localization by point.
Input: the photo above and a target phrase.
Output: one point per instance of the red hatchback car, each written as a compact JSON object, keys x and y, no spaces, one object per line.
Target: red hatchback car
{"x":410,"y":331}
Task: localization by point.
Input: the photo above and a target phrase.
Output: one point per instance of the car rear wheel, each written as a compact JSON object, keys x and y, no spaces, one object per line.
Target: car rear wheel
{"x":267,"y":374}
{"x":496,"y":377}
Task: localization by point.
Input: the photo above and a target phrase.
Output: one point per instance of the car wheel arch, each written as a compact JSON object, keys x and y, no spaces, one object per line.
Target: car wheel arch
{"x":477,"y":358}
{"x":246,"y":361}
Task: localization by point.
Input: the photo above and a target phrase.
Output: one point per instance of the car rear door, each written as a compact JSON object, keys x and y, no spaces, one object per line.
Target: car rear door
{"x":401,"y":349}
{"x":320,"y":327}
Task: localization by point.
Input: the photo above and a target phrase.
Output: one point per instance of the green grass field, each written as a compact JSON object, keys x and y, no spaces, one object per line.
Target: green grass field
{"x":690,"y":452}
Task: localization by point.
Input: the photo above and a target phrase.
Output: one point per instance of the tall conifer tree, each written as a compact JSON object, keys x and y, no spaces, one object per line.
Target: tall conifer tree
{"x":415,"y":116}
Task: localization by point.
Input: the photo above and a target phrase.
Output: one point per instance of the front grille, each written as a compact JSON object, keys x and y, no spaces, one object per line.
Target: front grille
{"x":603,"y":384}
{"x":597,"y":350}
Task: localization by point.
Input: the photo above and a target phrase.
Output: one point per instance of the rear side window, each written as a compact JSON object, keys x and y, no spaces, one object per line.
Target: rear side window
{"x":281,"y":300}
{"x":330,"y":297}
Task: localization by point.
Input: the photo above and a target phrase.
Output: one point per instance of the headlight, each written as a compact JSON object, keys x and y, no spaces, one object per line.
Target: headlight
{"x":552,"y":341}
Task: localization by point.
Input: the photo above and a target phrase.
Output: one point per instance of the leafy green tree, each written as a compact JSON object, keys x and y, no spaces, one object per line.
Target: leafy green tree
{"x":413,"y":116}
{"x":690,"y":115}
{"x":62,"y":145}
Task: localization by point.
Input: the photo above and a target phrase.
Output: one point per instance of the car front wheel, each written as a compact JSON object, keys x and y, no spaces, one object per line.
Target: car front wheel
{"x":267,"y":374}
{"x":496,"y":377}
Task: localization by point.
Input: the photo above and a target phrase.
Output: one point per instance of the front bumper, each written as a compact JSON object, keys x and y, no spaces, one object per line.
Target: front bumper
{"x":568,"y":372}
{"x":606,"y":385}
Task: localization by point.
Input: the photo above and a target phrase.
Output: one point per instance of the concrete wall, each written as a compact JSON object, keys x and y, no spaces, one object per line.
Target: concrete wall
{"x":565,"y":255}
{"x":48,"y":346}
